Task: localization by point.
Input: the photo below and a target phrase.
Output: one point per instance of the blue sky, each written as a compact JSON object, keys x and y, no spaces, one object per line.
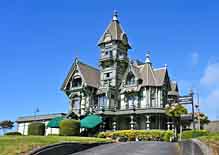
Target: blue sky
{"x":40,"y":39}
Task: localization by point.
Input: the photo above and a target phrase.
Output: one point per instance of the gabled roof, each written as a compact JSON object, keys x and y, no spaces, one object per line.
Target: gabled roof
{"x":148,"y":75}
{"x":90,"y":75}
{"x":160,"y":75}
{"x":114,"y":32}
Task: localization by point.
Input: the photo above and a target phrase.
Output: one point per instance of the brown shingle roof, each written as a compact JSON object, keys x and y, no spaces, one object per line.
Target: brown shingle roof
{"x":91,"y":75}
{"x":174,"y":89}
{"x":115,"y":31}
{"x":148,"y":76}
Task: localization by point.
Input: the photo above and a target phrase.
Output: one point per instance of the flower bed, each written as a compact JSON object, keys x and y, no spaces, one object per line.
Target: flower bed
{"x":142,"y":135}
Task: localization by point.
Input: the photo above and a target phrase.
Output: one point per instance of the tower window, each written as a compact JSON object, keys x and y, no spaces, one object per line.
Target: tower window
{"x":107,"y":75}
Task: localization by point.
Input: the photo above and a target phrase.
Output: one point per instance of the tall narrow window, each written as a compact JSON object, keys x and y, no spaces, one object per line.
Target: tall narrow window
{"x":131,"y":102}
{"x":76,"y":104}
{"x":130,"y":79}
{"x":102,"y":101}
{"x":153,"y":98}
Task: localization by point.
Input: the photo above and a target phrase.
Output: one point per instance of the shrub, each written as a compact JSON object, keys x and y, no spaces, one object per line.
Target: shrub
{"x":69,"y":127}
{"x":13,"y":134}
{"x":194,"y":133}
{"x":143,"y":135}
{"x":36,"y":129}
{"x":53,"y":134}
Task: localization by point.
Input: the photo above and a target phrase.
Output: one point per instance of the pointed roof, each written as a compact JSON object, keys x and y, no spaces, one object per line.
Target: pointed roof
{"x":90,"y":75}
{"x":114,"y":32}
{"x":149,"y":75}
{"x":174,"y":89}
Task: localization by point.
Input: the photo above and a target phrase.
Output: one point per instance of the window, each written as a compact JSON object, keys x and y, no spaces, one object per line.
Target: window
{"x":76,"y":82}
{"x":102,"y":101}
{"x":107,"y":75}
{"x":76,"y":103}
{"x":153,"y":98}
{"x":130,"y":79}
{"x":131,"y":102}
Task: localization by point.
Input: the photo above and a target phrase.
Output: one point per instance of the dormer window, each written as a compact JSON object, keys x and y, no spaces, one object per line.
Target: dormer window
{"x":130,"y":79}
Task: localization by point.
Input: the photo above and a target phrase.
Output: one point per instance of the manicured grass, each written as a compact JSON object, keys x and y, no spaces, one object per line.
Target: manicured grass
{"x":18,"y":145}
{"x":211,"y":140}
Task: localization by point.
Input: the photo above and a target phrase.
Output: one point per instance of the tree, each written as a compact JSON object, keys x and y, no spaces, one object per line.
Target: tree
{"x":202,"y":117}
{"x":174,"y":111}
{"x":6,"y":124}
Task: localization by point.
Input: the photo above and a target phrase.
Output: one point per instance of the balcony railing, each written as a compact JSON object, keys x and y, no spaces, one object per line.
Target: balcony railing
{"x":106,"y":57}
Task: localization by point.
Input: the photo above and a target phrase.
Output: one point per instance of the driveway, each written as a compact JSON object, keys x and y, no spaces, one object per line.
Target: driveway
{"x":133,"y":148}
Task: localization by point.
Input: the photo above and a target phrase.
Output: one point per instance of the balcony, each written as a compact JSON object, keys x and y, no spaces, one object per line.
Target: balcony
{"x":106,"y":57}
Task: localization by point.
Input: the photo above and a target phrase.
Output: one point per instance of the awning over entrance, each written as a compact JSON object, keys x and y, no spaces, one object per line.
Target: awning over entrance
{"x":54,"y":123}
{"x":91,"y":121}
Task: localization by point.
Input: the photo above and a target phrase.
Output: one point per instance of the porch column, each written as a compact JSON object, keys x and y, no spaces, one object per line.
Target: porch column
{"x":132,"y":122}
{"x":114,"y":124}
{"x":168,"y":125}
{"x":147,"y":122}
{"x":102,"y":125}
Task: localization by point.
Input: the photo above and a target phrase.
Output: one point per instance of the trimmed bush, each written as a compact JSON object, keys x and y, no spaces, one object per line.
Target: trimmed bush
{"x":70,"y":127}
{"x":36,"y":129}
{"x":194,"y":133}
{"x":143,"y":135}
{"x":13,"y":134}
{"x":53,"y":135}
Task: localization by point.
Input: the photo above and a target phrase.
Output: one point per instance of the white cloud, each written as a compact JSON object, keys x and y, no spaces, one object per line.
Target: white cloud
{"x":211,"y":75}
{"x":213,"y":97}
{"x":195,"y":58}
{"x":210,"y":104}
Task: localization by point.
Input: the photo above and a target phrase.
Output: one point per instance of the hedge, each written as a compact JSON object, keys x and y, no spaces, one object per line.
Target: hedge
{"x":13,"y":134}
{"x":194,"y":133}
{"x":36,"y":129}
{"x":69,"y":127}
{"x":143,"y":135}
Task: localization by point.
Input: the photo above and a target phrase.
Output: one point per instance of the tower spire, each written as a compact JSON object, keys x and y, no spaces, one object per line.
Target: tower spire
{"x":148,"y":57}
{"x":115,"y":15}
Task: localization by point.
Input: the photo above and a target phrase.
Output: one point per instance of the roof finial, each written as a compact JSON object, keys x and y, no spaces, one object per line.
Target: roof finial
{"x":115,"y":15}
{"x":165,"y":65}
{"x":148,"y":57}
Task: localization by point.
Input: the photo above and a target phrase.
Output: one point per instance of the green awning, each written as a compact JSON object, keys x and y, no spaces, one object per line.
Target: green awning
{"x":54,"y":123}
{"x":90,"y":121}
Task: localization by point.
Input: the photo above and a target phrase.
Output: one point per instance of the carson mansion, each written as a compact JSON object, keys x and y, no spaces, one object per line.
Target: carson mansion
{"x":127,"y":94}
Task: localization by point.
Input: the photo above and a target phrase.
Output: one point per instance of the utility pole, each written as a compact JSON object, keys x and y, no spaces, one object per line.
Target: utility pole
{"x":35,"y":113}
{"x":198,"y":110}
{"x":193,"y":110}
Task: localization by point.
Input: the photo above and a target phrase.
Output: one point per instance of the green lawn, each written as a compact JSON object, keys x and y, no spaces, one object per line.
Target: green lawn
{"x":212,"y":140}
{"x":18,"y":145}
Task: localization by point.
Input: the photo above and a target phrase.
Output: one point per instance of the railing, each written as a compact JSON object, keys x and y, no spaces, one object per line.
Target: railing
{"x":105,"y":57}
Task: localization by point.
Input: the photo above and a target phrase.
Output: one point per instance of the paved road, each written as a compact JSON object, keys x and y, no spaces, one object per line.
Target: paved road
{"x":133,"y":148}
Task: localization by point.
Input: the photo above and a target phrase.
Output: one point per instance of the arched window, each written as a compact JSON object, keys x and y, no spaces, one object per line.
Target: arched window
{"x":130,"y":79}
